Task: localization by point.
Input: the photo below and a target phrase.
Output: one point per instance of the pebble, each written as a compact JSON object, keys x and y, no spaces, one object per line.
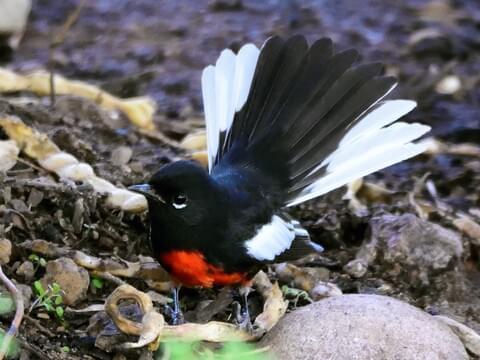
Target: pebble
{"x":73,"y":280}
{"x":5,"y":251}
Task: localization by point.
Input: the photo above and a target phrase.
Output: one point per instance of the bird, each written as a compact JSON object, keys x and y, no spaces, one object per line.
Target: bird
{"x":285,"y":124}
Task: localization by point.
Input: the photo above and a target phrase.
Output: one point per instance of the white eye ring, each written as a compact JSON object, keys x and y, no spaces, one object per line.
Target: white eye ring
{"x":180,"y":202}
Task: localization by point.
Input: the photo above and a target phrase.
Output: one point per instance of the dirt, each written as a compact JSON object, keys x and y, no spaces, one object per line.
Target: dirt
{"x":159,"y":49}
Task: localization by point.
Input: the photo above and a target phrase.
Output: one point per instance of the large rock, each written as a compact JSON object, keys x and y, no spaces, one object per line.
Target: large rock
{"x":357,"y":327}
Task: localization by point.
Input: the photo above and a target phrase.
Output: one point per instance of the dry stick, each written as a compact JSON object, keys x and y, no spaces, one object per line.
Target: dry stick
{"x":57,"y":40}
{"x":17,"y":320}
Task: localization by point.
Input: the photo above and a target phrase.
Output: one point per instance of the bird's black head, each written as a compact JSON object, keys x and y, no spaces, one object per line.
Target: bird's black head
{"x":179,"y":194}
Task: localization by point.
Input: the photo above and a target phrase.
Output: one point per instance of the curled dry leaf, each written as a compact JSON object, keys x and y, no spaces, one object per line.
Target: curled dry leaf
{"x":469,"y":227}
{"x":128,"y":292}
{"x":436,"y":147}
{"x":201,"y":157}
{"x":146,"y":270}
{"x":274,"y":306}
{"x":304,"y":278}
{"x":153,"y":328}
{"x":469,"y":338}
{"x":138,"y":110}
{"x":8,"y":154}
{"x":361,"y":193}
{"x":49,"y":156}
{"x":195,"y":141}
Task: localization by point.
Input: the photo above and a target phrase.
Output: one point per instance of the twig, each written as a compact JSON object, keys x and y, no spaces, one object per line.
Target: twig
{"x":57,"y":40}
{"x":39,"y":326}
{"x":17,"y":320}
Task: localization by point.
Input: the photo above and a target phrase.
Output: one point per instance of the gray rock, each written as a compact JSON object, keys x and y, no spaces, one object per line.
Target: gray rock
{"x":407,"y":242}
{"x":357,"y":327}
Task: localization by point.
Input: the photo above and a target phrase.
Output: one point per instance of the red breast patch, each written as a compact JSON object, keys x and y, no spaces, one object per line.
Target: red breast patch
{"x":191,"y":269}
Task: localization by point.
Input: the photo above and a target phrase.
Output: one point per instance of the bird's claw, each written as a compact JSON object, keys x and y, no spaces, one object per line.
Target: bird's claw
{"x":175,"y":315}
{"x":242,"y":318}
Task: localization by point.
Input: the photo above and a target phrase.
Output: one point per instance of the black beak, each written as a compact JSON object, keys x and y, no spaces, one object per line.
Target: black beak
{"x":147,"y":191}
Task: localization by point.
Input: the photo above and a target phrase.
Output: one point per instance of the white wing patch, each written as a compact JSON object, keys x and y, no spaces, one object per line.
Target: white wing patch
{"x":271,"y":239}
{"x":225,"y":89}
{"x":368,"y":146}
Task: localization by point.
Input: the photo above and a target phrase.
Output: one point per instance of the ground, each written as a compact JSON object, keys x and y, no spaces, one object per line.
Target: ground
{"x":134,"y":48}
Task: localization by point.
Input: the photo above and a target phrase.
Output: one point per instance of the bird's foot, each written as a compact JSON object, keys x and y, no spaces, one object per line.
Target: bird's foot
{"x":175,"y":315}
{"x":242,"y":318}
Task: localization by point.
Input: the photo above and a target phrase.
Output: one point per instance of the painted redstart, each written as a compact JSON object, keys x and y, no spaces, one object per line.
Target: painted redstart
{"x":285,"y":124}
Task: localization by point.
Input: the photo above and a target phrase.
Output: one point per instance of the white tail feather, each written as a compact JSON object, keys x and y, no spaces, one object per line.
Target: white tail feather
{"x":225,"y":89}
{"x":368,"y":147}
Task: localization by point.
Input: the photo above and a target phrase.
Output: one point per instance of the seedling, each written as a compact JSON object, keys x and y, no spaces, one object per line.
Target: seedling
{"x":37,"y":261}
{"x":51,"y":299}
{"x":178,"y":350}
{"x":13,"y":349}
{"x":97,"y":282}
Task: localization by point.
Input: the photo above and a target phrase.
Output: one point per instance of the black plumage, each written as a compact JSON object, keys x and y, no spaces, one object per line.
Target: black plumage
{"x":301,"y":103}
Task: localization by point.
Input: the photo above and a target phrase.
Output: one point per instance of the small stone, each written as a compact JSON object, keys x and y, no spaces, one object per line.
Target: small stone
{"x":27,"y":293}
{"x":43,"y":316}
{"x":121,"y":155}
{"x":27,"y":270}
{"x":358,"y":327}
{"x":324,"y":289}
{"x":73,"y":280}
{"x":448,"y":85}
{"x":5,"y":251}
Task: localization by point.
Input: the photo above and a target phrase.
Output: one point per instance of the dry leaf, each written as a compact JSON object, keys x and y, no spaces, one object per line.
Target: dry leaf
{"x":469,"y":227}
{"x":8,"y":154}
{"x":139,"y":110}
{"x":39,"y":147}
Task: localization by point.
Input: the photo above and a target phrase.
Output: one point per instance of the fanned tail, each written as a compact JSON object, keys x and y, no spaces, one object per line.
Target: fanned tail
{"x":305,"y":117}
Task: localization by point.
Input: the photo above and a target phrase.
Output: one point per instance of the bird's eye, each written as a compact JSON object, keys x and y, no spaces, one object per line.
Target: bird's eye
{"x":180,"y":201}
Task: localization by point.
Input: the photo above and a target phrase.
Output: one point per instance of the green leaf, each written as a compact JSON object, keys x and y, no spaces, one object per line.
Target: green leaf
{"x":13,"y":349}
{"x":58,"y":300}
{"x":56,"y":289}
{"x":39,"y":288}
{"x":240,"y":351}
{"x":97,"y":283}
{"x":42,"y":262}
{"x":7,"y":305}
{"x":60,"y":312}
{"x":48,"y":306}
{"x":65,"y":349}
{"x":177,"y":350}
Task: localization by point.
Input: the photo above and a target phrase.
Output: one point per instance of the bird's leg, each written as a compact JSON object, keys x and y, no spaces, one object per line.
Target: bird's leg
{"x":243,"y":315}
{"x":175,"y":313}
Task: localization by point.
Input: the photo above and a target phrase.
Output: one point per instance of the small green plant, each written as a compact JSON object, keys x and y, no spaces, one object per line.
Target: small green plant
{"x":51,"y":299}
{"x":179,"y":350}
{"x":7,"y":305}
{"x":97,"y":282}
{"x":13,"y":349}
{"x":37,"y":261}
